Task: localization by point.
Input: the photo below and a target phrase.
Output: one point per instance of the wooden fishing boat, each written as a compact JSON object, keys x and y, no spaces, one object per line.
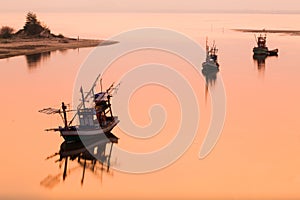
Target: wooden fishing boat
{"x":262,"y":49}
{"x":92,"y":121}
{"x":211,"y":62}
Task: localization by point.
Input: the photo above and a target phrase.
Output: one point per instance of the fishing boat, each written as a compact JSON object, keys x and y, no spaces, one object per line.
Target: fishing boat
{"x":93,"y":120}
{"x":262,"y":48}
{"x":211,"y":62}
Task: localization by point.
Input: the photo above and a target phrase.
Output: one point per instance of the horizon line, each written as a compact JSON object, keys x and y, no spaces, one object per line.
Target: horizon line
{"x":204,"y":11}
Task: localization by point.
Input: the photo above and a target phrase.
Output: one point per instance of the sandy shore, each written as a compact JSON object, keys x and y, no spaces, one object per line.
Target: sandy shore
{"x":17,"y":46}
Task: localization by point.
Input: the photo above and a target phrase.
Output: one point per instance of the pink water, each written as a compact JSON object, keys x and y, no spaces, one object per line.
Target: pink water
{"x":256,"y":157}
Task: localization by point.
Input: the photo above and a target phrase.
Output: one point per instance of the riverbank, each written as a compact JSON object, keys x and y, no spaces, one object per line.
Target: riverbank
{"x":287,"y":32}
{"x":21,"y":46}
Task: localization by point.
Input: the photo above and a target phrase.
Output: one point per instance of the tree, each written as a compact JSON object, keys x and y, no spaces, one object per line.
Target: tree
{"x":32,"y":25}
{"x":6,"y":32}
{"x":31,"y":19}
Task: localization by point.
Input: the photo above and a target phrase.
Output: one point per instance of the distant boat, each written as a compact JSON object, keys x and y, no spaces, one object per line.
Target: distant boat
{"x":211,"y":62}
{"x":262,"y":48}
{"x":94,"y":120}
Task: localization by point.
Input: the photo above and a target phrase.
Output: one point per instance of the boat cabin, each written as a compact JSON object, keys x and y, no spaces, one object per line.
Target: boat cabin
{"x":261,"y":41}
{"x":103,"y":108}
{"x":87,"y":118}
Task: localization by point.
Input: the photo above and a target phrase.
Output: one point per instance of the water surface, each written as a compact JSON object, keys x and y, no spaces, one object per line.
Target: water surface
{"x":257,"y":155}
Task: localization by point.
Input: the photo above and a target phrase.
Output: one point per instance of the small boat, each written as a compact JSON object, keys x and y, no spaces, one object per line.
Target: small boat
{"x":262,"y":48}
{"x":211,"y":62}
{"x":93,"y":120}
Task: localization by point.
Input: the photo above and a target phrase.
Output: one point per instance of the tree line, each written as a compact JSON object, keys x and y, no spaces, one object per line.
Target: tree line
{"x":32,"y":28}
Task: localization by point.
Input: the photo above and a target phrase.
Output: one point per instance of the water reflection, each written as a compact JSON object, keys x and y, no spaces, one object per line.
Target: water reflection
{"x":260,"y":61}
{"x":34,"y":60}
{"x":210,"y":74}
{"x":92,"y":154}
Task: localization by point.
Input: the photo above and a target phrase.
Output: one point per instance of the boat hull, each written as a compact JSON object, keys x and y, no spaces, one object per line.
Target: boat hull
{"x":273,"y":52}
{"x":209,"y":65}
{"x":78,"y":133}
{"x":265,"y":51}
{"x":260,"y":51}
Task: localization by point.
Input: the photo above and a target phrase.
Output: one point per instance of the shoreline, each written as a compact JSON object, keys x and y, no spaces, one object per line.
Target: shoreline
{"x":287,"y":32}
{"x":19,"y":46}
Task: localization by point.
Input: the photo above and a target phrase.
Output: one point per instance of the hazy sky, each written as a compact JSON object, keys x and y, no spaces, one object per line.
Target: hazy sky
{"x":147,"y":5}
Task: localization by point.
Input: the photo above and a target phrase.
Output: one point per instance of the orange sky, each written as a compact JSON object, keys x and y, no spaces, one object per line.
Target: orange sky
{"x":146,"y":5}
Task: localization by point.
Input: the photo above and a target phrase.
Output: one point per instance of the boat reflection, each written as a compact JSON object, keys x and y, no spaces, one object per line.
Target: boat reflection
{"x":93,"y":154}
{"x":34,"y":60}
{"x":260,"y":61}
{"x":210,"y":74}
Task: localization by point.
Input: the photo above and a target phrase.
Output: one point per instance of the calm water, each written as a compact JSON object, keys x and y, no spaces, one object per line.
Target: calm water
{"x":257,"y":155}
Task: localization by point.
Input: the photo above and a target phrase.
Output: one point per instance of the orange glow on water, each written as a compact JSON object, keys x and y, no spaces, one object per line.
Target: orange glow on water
{"x":256,"y":157}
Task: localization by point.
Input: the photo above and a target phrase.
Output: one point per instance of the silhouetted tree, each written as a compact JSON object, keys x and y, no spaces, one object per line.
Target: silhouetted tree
{"x":31,"y":19}
{"x":6,"y":32}
{"x":32,"y":25}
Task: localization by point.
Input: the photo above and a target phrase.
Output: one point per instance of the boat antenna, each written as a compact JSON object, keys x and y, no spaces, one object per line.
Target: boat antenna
{"x":64,"y":107}
{"x":101,"y":84}
{"x":110,"y":88}
{"x":207,"y":44}
{"x":90,"y":91}
{"x":82,"y":97}
{"x":85,"y":97}
{"x":116,"y":88}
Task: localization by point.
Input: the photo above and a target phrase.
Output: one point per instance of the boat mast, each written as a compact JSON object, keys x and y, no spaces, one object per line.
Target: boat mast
{"x":109,"y":105}
{"x":108,"y":91}
{"x":64,"y":107}
{"x":82,"y":97}
{"x":85,"y":97}
{"x":101,"y":84}
{"x":207,"y":48}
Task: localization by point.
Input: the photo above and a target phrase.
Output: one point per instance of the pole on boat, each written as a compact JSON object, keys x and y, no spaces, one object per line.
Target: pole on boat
{"x":64,"y":107}
{"x":93,"y":92}
{"x":82,"y":97}
{"x":108,"y":101}
{"x":207,"y":48}
{"x":255,"y":38}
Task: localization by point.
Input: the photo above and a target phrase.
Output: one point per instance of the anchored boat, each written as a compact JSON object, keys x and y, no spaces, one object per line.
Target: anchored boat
{"x":211,"y":62}
{"x":262,"y":48}
{"x":92,"y":120}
